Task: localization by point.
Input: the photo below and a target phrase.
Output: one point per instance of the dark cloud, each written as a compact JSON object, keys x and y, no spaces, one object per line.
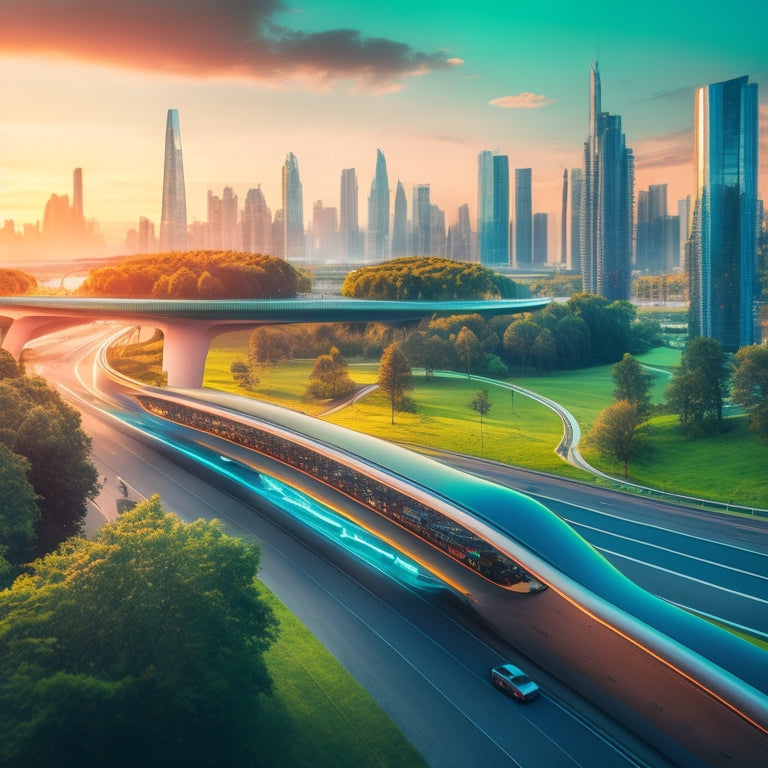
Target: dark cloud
{"x":684,"y":94}
{"x":205,"y":38}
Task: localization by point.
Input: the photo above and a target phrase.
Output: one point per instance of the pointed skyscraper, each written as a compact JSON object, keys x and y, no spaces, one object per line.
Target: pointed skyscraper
{"x":293,"y":210}
{"x":173,"y":218}
{"x":378,"y":212}
{"x":350,"y":237}
{"x":400,"y":223}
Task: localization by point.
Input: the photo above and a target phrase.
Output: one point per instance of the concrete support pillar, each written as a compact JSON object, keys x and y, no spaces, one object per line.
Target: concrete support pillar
{"x":185,"y":347}
{"x":24,"y":329}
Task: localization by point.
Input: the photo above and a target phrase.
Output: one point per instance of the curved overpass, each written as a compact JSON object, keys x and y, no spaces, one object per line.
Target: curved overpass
{"x":189,"y":326}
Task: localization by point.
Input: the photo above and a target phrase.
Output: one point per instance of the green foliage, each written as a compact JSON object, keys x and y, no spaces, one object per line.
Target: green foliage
{"x":246,"y":376}
{"x":195,"y":275}
{"x":614,"y":433}
{"x":19,"y":514}
{"x":699,"y":386}
{"x":417,"y":278}
{"x":750,"y":386}
{"x":467,"y":348}
{"x":37,"y":424}
{"x":633,"y":382}
{"x":481,"y":404}
{"x":144,"y":647}
{"x":394,"y":375}
{"x":9,"y":367}
{"x":14,"y":282}
{"x":330,"y":378}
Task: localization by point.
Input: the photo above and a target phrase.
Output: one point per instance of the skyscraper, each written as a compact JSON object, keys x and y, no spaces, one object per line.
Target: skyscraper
{"x":564,"y":221}
{"x":460,"y":236}
{"x":400,"y":223}
{"x":422,"y":221}
{"x":607,"y":202}
{"x":576,"y":185}
{"x":293,"y":210}
{"x":378,"y":212}
{"x":350,"y":237}
{"x":540,"y":238}
{"x":722,"y":247}
{"x":257,"y":223}
{"x":523,"y":218}
{"x":173,"y":217}
{"x":493,"y":207}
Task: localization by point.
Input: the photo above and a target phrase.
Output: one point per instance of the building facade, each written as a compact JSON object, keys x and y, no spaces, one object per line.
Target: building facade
{"x":523,"y":218}
{"x":378,"y":212}
{"x":173,"y":216}
{"x":722,"y":246}
{"x":607,"y":208}
{"x":350,"y":237}
{"x":493,"y":208}
{"x":294,"y":241}
{"x":400,"y":223}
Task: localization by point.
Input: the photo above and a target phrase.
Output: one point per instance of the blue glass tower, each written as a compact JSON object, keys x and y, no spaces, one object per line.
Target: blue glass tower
{"x":722,"y":247}
{"x":293,"y":210}
{"x":523,"y":218}
{"x":493,"y":208}
{"x":378,"y":212}
{"x":173,"y":218}
{"x":400,"y":223}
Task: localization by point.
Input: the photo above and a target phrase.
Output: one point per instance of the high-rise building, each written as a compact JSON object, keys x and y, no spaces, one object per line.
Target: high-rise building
{"x":460,"y":236}
{"x":653,"y":231}
{"x":146,"y":235}
{"x":325,"y":233}
{"x":437,"y":235}
{"x":214,"y":239}
{"x":540,"y":238}
{"x":422,"y":221}
{"x":350,"y":237}
{"x":493,"y":207}
{"x":378,"y":212}
{"x":684,"y":217}
{"x":231,"y":232}
{"x":607,"y":219}
{"x":400,"y":223}
{"x":576,"y":184}
{"x":293,"y":210}
{"x":173,"y":217}
{"x":257,"y":223}
{"x":722,"y":247}
{"x":523,"y":218}
{"x":564,"y":221}
{"x":78,"y":217}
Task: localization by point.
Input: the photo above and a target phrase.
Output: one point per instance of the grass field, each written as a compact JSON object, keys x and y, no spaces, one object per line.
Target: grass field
{"x":521,"y":432}
{"x":318,"y":714}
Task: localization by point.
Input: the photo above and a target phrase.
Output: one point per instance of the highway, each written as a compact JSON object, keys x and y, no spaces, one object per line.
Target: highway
{"x":437,"y":691}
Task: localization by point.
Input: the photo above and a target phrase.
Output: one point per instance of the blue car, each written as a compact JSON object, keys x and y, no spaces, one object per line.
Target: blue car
{"x":514,"y":682}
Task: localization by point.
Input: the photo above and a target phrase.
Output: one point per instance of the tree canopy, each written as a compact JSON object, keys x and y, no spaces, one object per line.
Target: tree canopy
{"x":633,"y":382}
{"x":14,"y":282}
{"x":614,"y":433}
{"x":750,"y":386}
{"x":395,"y":375}
{"x":143,"y":647}
{"x":330,"y":378}
{"x":417,"y":278}
{"x":195,"y":275}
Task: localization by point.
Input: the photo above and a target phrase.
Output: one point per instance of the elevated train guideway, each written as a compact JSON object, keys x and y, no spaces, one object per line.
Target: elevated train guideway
{"x":189,"y":326}
{"x":697,"y":692}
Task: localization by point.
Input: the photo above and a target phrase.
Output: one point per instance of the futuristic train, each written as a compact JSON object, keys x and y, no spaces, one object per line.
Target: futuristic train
{"x":697,"y":692}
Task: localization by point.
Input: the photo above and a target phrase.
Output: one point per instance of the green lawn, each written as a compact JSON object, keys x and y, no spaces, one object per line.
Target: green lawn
{"x":318,"y":714}
{"x":521,"y":432}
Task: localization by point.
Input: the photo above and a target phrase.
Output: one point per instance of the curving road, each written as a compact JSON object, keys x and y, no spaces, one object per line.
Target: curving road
{"x":437,"y":690}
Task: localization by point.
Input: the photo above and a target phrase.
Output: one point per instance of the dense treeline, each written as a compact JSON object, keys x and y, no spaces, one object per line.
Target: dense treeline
{"x":46,"y":476}
{"x":14,"y":282}
{"x":196,"y":275}
{"x":415,"y":278}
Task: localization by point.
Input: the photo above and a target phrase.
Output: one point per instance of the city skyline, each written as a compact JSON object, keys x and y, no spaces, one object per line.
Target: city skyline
{"x":335,"y":83}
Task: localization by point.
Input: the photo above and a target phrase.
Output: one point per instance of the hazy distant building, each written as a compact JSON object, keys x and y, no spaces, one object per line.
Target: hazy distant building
{"x":400,"y":223}
{"x":460,"y":236}
{"x":350,"y":236}
{"x":437,"y":235}
{"x":493,"y":208}
{"x":684,"y":217}
{"x":653,"y":231}
{"x":540,"y":238}
{"x":325,"y":233}
{"x":293,"y":210}
{"x":723,"y":232}
{"x":173,"y":217}
{"x":523,"y":218}
{"x":146,"y":235}
{"x":278,"y":234}
{"x":214,"y":211}
{"x":257,"y":223}
{"x":607,"y":230}
{"x":231,"y":232}
{"x":564,"y":220}
{"x":78,"y":217}
{"x":378,"y":212}
{"x":422,"y":221}
{"x":576,"y":184}
{"x":57,"y":221}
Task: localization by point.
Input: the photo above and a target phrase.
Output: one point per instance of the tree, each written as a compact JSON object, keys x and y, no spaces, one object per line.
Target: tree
{"x":246,"y":376}
{"x":700,"y":385}
{"x":481,"y":404}
{"x":544,"y":349}
{"x":329,"y":377}
{"x":519,"y":339}
{"x":144,"y":647}
{"x":614,"y":432}
{"x":394,"y":375}
{"x":9,"y":367}
{"x":750,"y":386}
{"x":466,"y":347}
{"x":633,"y":382}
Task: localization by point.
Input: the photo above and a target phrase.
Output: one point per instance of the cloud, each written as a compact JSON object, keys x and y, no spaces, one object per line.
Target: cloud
{"x":523,"y":100}
{"x":205,"y":39}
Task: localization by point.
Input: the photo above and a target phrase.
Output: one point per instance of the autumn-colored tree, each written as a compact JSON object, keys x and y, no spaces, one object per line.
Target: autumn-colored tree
{"x":395,"y":375}
{"x":614,"y":433}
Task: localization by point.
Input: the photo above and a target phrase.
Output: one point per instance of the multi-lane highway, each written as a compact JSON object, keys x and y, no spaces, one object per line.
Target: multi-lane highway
{"x":423,"y":658}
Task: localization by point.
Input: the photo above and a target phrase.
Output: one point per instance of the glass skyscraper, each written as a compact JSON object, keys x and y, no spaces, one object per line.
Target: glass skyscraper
{"x":722,"y":247}
{"x":607,"y":221}
{"x":173,"y":218}
{"x":293,"y":210}
{"x":523,"y":218}
{"x":400,"y":222}
{"x":378,"y":212}
{"x":350,"y":238}
{"x":493,"y":208}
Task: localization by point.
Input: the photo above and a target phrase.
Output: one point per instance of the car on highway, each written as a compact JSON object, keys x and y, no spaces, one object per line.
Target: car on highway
{"x":514,"y":682}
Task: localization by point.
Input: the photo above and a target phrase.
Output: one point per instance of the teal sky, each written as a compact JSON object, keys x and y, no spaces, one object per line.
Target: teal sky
{"x":98,"y":100}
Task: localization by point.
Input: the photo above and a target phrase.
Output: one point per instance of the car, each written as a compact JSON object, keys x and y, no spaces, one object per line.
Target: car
{"x":514,"y":682}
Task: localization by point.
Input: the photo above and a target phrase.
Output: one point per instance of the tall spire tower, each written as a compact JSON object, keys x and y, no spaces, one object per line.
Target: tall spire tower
{"x":173,"y":219}
{"x":378,"y":212}
{"x":293,"y":210}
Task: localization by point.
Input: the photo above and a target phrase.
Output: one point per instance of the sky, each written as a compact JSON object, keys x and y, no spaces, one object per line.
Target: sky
{"x":88,"y":83}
